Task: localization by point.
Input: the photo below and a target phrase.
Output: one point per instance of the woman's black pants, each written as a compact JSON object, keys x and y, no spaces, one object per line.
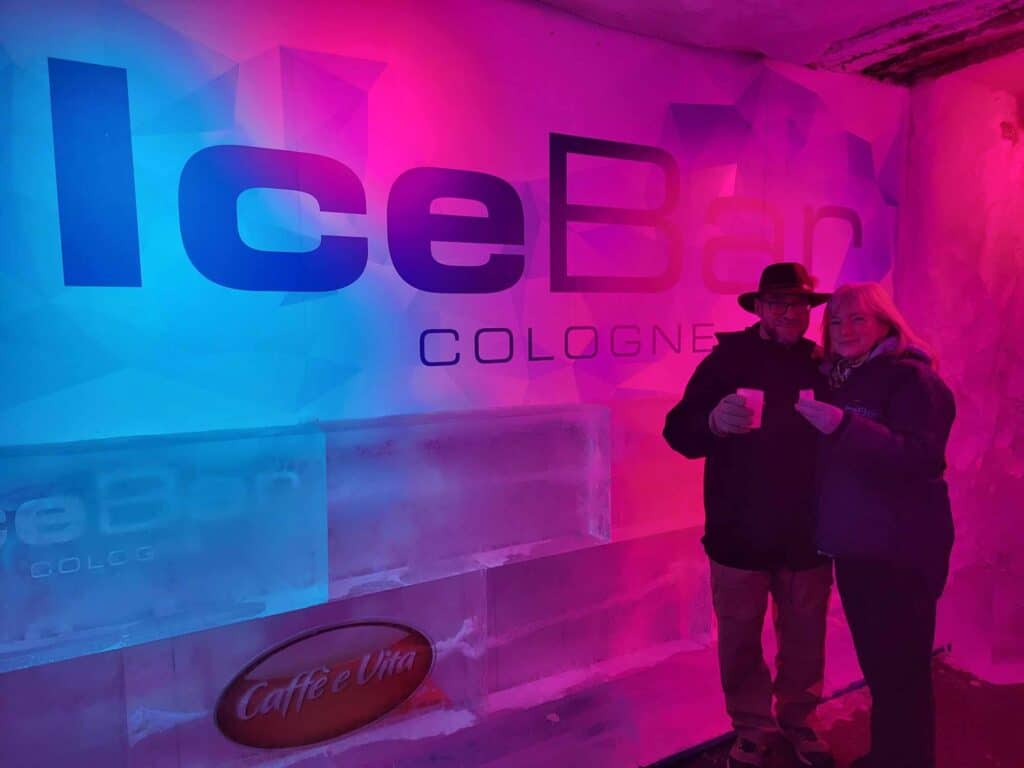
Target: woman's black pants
{"x":891,"y":612}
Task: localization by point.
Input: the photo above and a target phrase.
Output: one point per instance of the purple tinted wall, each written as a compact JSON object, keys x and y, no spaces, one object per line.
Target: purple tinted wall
{"x":556,"y":633}
{"x":960,"y":279}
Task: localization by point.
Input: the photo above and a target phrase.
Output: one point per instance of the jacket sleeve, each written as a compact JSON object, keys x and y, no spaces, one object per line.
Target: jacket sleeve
{"x":913,"y":438}
{"x":686,"y":425}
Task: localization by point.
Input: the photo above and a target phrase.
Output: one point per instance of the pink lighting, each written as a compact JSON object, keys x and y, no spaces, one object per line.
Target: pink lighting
{"x":459,"y":259}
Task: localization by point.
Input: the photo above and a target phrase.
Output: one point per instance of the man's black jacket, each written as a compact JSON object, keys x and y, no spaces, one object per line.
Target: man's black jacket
{"x":759,"y":488}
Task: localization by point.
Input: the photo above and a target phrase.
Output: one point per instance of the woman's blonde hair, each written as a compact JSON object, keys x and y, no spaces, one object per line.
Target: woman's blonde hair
{"x":874,"y":299}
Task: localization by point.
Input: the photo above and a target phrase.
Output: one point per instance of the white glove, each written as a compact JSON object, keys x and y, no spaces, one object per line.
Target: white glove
{"x":731,"y":416}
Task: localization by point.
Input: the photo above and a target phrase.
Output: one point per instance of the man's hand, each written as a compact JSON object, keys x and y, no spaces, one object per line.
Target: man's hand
{"x":731,"y":416}
{"x":824,"y":417}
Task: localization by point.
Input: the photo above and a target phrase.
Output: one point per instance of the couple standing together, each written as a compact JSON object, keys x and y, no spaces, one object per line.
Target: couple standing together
{"x":851,"y":476}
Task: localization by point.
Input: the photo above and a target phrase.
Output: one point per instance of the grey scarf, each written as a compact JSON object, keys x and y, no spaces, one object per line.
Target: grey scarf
{"x":843,"y":367}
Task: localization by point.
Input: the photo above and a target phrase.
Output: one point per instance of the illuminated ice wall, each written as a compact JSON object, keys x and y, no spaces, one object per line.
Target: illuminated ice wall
{"x":960,"y":278}
{"x":427,"y":277}
{"x":134,"y":137}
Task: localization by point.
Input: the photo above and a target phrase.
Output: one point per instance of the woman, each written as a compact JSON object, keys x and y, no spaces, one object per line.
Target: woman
{"x":884,"y":509}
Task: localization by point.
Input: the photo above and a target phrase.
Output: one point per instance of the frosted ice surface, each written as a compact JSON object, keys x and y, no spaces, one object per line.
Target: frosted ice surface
{"x":582,"y":608}
{"x":418,"y":497}
{"x":67,"y":713}
{"x":112,"y":543}
{"x":173,"y":686}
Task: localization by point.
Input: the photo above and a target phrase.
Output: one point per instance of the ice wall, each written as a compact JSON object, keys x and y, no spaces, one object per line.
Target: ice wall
{"x":118,"y":542}
{"x":753,"y":160}
{"x":551,"y":556}
{"x":537,"y":601}
{"x":550,"y":608}
{"x":960,"y":280}
{"x":414,"y":497}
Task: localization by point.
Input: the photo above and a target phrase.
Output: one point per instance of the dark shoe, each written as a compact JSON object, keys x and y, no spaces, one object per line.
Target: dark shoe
{"x":746,"y":754}
{"x":810,"y":750}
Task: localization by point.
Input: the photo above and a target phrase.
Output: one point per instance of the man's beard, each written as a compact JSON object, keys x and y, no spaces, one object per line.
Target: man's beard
{"x":772,"y":333}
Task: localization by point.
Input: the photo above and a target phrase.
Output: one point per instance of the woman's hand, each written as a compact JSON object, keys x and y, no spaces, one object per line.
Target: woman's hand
{"x":824,"y":417}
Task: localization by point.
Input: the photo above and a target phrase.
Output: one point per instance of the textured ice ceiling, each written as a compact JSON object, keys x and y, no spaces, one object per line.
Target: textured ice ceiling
{"x":896,"y":40}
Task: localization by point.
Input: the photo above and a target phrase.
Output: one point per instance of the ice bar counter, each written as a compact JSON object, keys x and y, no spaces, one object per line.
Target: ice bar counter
{"x":282,"y":596}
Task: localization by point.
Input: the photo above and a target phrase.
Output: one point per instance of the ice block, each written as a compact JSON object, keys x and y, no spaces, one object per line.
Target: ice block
{"x":180,"y":700}
{"x":67,"y":713}
{"x":634,"y":610}
{"x":582,"y":608}
{"x":111,"y":543}
{"x":418,"y":497}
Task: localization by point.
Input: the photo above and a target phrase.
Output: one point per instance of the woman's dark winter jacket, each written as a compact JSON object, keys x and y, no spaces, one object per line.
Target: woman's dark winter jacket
{"x":881,"y":491}
{"x":758,"y":487}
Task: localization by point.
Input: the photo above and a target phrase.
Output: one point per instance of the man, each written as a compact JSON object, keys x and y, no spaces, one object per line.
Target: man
{"x":759,"y":507}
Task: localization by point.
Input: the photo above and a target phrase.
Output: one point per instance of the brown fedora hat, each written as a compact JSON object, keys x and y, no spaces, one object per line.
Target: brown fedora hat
{"x":784,"y":277}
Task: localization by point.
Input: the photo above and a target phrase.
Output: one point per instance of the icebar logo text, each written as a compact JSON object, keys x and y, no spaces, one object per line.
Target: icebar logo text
{"x":99,"y":217}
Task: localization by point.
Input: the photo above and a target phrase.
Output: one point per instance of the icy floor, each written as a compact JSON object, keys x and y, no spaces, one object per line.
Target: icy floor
{"x":978,"y":725}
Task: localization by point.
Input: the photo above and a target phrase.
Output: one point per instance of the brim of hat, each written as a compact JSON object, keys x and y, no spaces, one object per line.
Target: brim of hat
{"x":746,"y":300}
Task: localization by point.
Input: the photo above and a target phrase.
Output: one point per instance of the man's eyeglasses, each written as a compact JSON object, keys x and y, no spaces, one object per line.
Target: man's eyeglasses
{"x":781,"y":307}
